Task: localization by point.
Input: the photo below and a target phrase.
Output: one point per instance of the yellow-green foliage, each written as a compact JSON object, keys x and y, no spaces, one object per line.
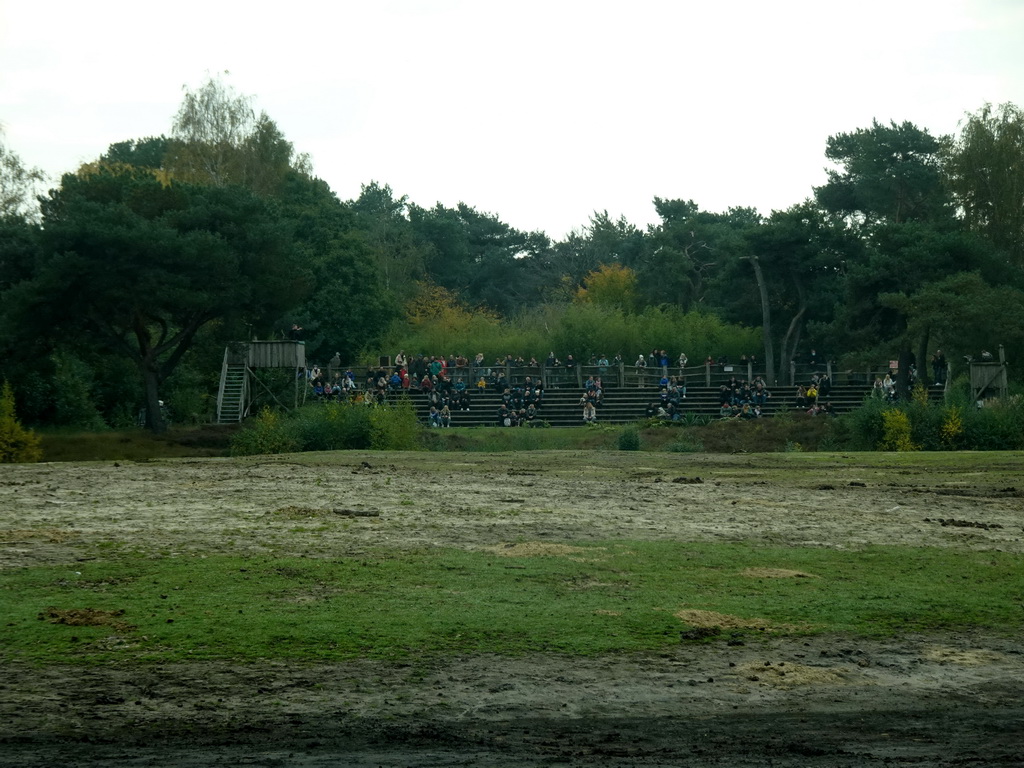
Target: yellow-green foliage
{"x":267,"y":433}
{"x":394,"y":427}
{"x":17,"y":444}
{"x":896,"y":432}
{"x":920,"y":395}
{"x":610,"y":285}
{"x":952,"y":429}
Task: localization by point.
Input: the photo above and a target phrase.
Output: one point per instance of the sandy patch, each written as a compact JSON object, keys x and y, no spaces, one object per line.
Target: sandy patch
{"x":723,"y":620}
{"x":776,"y":573}
{"x":539,"y":549}
{"x":790,"y":675}
{"x":967,"y":657}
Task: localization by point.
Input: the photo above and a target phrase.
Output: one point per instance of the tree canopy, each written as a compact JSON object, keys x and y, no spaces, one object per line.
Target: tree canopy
{"x":164,"y":247}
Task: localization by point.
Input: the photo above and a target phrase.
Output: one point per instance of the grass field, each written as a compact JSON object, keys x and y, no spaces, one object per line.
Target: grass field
{"x":484,"y":568}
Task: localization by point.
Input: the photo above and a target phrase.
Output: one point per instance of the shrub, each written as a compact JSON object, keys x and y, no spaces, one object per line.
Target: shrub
{"x":687,"y":443}
{"x":17,"y":444}
{"x":897,"y":432}
{"x":73,"y":403}
{"x":395,"y":427}
{"x":865,"y":426}
{"x":331,"y":426}
{"x":267,"y":433}
{"x":952,"y":429}
{"x":629,"y":439}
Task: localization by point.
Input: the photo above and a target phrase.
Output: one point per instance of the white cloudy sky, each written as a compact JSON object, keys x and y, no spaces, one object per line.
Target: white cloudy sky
{"x":539,"y":112}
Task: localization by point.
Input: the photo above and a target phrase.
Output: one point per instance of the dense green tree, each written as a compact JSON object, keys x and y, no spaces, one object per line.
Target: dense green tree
{"x":602,"y":242}
{"x":150,"y":153}
{"x":481,"y":258}
{"x":904,"y":259}
{"x":384,"y":218}
{"x":140,"y":267}
{"x":886,"y":173}
{"x":688,"y":252}
{"x":796,"y":257}
{"x":964,"y":314}
{"x":985,"y":168}
{"x":219,"y":140}
{"x":349,"y":306}
{"x":19,"y":185}
{"x":889,"y":190}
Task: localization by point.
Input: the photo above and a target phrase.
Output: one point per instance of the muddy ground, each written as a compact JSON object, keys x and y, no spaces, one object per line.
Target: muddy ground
{"x":949,"y":699}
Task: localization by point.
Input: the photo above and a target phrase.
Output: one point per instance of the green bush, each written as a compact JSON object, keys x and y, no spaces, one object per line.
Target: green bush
{"x":582,"y":329}
{"x":266,"y":433}
{"x":687,"y":443}
{"x":17,"y":444}
{"x":332,"y":426}
{"x":865,"y":425}
{"x":73,"y":403}
{"x":629,"y":439}
{"x":956,"y":424}
{"x":395,"y":427}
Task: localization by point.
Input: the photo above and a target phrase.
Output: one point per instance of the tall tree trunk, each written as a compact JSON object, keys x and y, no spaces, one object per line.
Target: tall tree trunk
{"x":154,"y":413}
{"x":792,"y":338}
{"x":766,"y":321}
{"x":903,"y":374}
{"x":923,"y":371}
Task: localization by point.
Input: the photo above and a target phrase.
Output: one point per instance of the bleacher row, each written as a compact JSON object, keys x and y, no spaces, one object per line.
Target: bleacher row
{"x":561,"y":407}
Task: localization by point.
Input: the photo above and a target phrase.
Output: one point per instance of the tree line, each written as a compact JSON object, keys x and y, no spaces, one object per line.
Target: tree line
{"x":121,"y":285}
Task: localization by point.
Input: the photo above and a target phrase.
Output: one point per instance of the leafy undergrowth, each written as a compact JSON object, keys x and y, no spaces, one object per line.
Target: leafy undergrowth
{"x":137,"y":444}
{"x":589,"y":599}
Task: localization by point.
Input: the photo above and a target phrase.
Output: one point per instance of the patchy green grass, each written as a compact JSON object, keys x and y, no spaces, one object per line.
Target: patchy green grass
{"x":612,"y":597}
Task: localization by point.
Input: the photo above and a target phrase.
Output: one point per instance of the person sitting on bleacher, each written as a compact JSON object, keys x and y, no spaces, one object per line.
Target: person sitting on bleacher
{"x":504,"y":417}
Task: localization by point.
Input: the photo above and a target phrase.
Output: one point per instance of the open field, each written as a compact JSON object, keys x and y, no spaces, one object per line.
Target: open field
{"x":540,"y":608}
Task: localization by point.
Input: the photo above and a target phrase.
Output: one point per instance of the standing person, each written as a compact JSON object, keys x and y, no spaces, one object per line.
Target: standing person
{"x":939,"y":368}
{"x":683,"y":360}
{"x":641,"y":367}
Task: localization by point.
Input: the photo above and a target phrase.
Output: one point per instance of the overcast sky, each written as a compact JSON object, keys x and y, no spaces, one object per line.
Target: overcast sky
{"x":539,"y":112}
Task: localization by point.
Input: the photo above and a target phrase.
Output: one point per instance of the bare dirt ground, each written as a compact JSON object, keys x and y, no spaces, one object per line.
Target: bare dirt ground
{"x":954,"y":699}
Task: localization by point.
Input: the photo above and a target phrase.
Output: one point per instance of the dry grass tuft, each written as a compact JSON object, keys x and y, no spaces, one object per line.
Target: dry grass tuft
{"x":788,"y":675}
{"x":776,"y":573}
{"x":85,"y":617}
{"x":966,"y":657}
{"x":538,"y":549}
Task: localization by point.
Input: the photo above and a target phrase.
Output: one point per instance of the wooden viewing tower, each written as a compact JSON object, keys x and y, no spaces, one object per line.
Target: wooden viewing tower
{"x":988,"y":378}
{"x":239,"y":384}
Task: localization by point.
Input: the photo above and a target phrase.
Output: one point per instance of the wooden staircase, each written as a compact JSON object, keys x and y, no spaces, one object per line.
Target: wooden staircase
{"x":231,"y":396}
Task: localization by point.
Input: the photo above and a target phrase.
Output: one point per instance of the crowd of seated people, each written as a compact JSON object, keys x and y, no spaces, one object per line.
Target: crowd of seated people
{"x":520,"y":406}
{"x":340,"y":386}
{"x":812,"y":398}
{"x":668,"y":405}
{"x":446,"y":382}
{"x":737,"y":393}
